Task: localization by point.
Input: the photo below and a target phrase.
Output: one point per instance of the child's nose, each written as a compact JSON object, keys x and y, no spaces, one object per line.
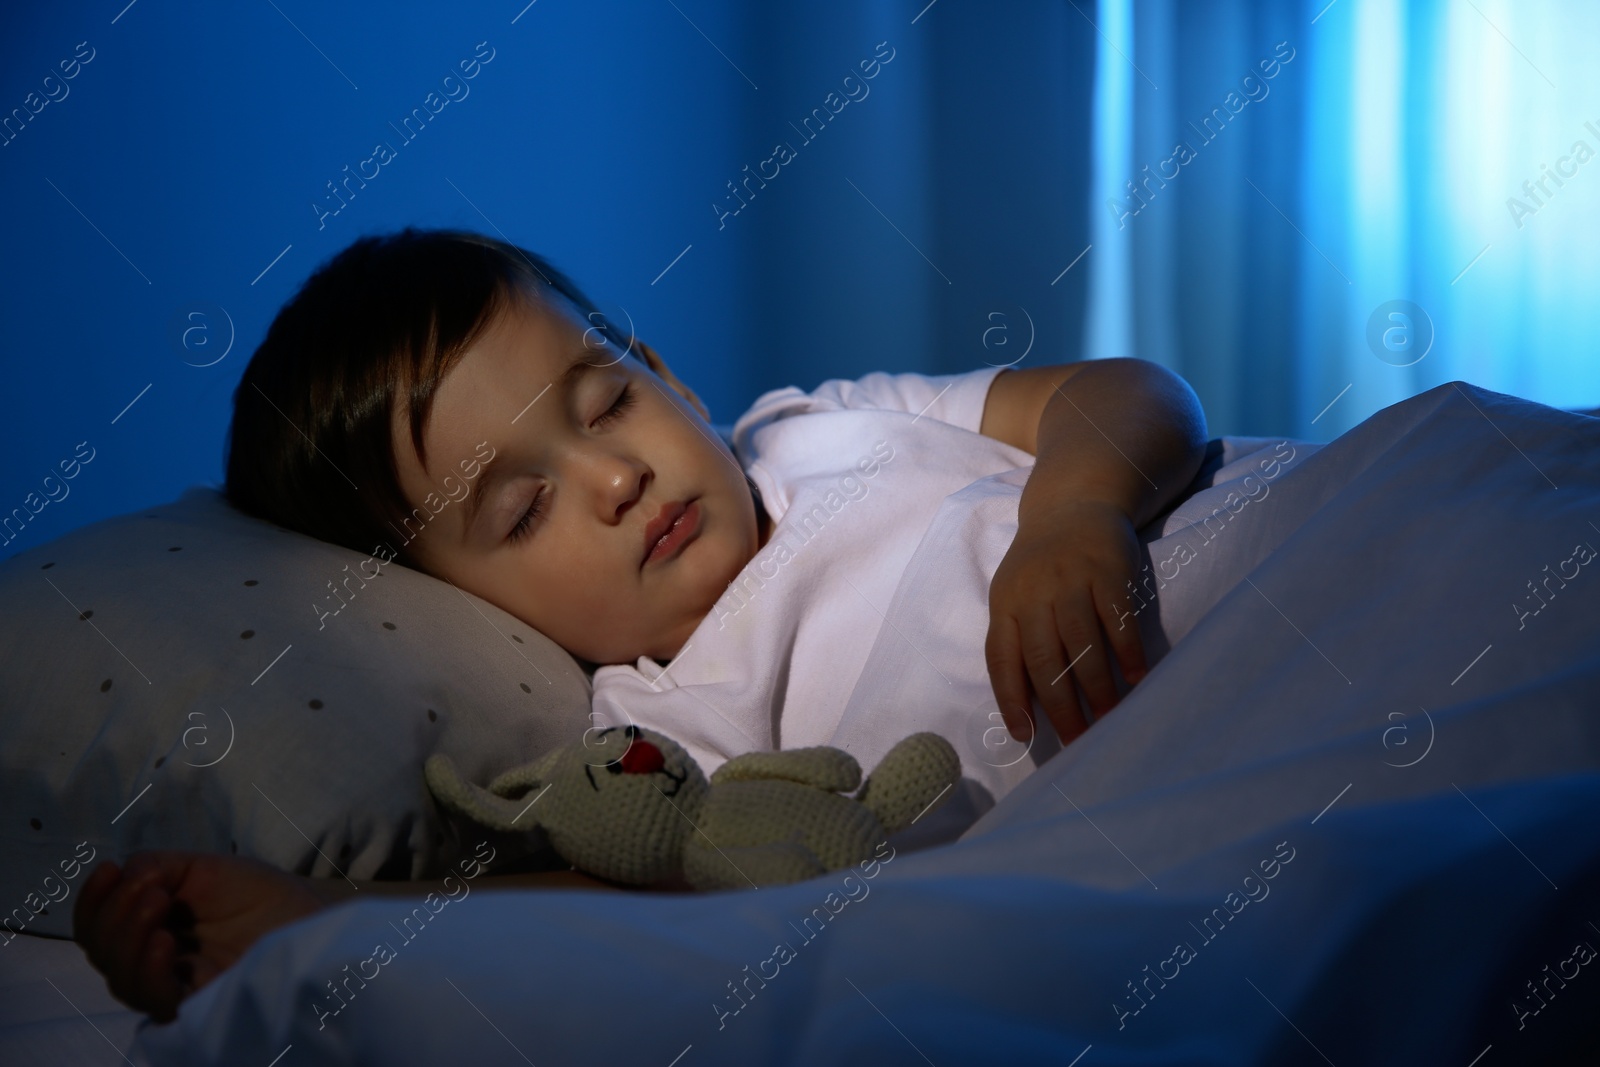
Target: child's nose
{"x":623,"y":485}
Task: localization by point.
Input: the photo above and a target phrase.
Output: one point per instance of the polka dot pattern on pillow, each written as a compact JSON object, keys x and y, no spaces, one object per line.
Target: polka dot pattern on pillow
{"x":177,"y":679}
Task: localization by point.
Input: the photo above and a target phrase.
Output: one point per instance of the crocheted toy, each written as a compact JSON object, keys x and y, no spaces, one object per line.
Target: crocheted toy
{"x":642,"y":811}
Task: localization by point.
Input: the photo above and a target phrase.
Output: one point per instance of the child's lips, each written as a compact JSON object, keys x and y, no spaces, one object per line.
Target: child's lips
{"x":676,"y":526}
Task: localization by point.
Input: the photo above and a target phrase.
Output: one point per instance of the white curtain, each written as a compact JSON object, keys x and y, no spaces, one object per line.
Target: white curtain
{"x":1412,"y":198}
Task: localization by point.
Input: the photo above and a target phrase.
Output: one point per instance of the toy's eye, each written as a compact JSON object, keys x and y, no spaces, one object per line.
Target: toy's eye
{"x":615,"y":766}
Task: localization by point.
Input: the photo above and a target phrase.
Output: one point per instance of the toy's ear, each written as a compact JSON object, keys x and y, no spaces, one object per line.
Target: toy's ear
{"x":478,"y":804}
{"x":535,"y":775}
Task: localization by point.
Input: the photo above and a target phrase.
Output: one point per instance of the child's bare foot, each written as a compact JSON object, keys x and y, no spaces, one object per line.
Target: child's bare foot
{"x":169,"y":922}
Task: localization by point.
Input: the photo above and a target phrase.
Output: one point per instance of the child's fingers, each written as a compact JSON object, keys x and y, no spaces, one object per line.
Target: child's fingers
{"x":180,"y":923}
{"x":103,"y":927}
{"x":1002,"y":652}
{"x":157,"y":866}
{"x":115,"y":912}
{"x":146,"y":887}
{"x":157,"y":978}
{"x":112,"y":940}
{"x":138,"y":874}
{"x":1079,"y":629}
{"x":1125,"y":641}
{"x":1046,"y":663}
{"x":126,"y":944}
{"x":135,"y":930}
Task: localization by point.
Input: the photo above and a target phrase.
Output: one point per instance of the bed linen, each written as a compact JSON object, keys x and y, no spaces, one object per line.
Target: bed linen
{"x":1360,"y":791}
{"x":1443,"y":447}
{"x":55,"y":1008}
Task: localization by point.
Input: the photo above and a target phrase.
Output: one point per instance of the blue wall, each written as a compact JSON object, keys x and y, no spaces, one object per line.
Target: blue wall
{"x":165,"y":198}
{"x":928,"y":226}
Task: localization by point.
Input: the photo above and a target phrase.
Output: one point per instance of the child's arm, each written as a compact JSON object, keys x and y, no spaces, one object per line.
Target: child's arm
{"x":1116,"y":441}
{"x":169,"y":922}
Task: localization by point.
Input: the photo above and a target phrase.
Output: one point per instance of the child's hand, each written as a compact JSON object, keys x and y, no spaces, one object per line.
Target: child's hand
{"x":1052,"y":603}
{"x":171,"y":921}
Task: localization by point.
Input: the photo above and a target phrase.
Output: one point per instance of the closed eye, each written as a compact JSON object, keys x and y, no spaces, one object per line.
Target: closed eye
{"x":520,"y":530}
{"x":625,"y":400}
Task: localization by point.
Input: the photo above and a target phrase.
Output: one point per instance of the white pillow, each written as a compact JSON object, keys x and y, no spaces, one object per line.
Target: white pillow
{"x":167,"y":682}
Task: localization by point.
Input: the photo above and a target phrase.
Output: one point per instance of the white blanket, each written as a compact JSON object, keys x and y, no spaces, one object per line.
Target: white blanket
{"x":1351,"y":811}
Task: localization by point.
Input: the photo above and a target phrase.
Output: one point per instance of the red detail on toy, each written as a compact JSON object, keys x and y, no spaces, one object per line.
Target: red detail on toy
{"x":641,"y":758}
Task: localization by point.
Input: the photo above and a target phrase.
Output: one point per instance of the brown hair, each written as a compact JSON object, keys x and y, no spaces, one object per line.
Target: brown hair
{"x":310,"y":447}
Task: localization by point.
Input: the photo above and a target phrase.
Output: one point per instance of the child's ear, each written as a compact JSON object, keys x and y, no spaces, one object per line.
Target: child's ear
{"x":659,"y":365}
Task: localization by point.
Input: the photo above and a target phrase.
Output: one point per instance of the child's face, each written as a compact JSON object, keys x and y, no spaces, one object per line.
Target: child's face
{"x":602,"y":473}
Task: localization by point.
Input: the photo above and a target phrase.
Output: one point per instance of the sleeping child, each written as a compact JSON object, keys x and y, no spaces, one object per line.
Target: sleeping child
{"x":819,"y":575}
